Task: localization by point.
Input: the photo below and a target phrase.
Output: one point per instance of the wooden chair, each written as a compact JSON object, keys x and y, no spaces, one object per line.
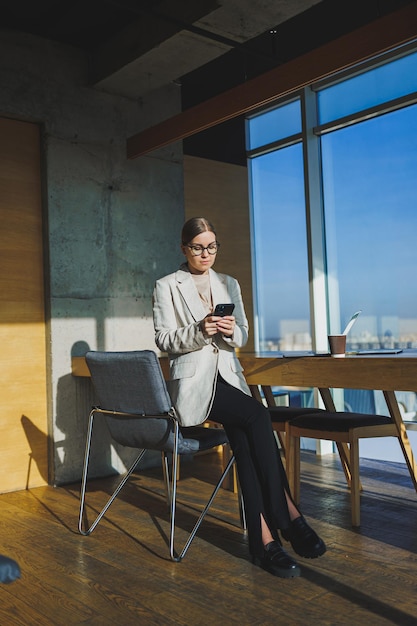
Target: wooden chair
{"x":280,"y":415}
{"x":346,"y":429}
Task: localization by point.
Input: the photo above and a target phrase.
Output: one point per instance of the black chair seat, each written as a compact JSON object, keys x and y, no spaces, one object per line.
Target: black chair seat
{"x":282,"y":414}
{"x":338,"y":422}
{"x":205,"y":437}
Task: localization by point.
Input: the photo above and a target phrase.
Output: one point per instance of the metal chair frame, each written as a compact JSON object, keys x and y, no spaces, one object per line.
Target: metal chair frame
{"x":170,"y":482}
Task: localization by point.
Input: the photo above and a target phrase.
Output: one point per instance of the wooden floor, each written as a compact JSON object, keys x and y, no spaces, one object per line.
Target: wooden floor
{"x":122,"y":575}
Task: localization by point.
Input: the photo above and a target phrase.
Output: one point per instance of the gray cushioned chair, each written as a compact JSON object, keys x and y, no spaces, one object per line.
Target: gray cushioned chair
{"x":134,"y":402}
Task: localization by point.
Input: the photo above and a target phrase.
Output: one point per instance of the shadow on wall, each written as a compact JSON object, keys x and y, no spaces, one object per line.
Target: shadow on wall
{"x":38,"y":443}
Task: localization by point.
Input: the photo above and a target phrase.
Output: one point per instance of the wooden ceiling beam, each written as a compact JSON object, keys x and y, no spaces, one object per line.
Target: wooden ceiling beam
{"x":381,"y":35}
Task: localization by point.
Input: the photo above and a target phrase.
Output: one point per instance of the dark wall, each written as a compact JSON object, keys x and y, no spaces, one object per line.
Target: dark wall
{"x":321,"y":24}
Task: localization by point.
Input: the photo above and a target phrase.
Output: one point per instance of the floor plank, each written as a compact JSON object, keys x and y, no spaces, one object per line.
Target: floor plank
{"x":122,"y":574}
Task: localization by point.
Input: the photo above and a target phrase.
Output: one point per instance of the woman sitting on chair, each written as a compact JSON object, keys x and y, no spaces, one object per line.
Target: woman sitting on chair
{"x":206,"y":382}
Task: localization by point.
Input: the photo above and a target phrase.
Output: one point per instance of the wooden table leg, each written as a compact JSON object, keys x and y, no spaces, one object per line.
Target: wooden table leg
{"x":395,"y":413}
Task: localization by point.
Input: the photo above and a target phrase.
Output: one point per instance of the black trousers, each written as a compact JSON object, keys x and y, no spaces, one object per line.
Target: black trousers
{"x":261,"y":474}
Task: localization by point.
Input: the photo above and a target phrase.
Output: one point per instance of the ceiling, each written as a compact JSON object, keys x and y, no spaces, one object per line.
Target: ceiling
{"x":205,"y":46}
{"x":135,"y":46}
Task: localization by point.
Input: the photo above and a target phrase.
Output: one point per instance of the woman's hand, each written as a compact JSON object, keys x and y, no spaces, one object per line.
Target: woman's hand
{"x":213,"y":324}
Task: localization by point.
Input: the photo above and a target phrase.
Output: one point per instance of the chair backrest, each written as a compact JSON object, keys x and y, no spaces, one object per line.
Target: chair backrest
{"x":132,"y":382}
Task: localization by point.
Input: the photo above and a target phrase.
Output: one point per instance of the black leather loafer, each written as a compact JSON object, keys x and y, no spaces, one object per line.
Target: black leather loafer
{"x":305,"y":542}
{"x":277,"y":562}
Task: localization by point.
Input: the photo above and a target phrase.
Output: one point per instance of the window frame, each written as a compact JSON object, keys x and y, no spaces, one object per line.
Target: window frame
{"x":323,"y":313}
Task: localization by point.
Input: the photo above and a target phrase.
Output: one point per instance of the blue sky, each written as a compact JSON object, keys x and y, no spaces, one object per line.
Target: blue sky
{"x":370,"y":196}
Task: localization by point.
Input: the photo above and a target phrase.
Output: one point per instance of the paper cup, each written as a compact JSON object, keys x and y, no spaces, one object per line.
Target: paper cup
{"x":337,"y":345}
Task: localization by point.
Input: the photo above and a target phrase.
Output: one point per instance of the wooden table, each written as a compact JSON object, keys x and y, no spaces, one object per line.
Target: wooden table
{"x":388,"y":373}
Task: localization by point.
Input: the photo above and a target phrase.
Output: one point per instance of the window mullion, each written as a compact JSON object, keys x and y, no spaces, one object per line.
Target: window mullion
{"x":315,"y":224}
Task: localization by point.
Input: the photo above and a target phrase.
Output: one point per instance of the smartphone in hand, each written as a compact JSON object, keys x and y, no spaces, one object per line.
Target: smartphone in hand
{"x":224,"y":309}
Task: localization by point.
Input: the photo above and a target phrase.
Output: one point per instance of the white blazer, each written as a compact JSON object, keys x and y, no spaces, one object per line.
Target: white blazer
{"x":194,"y":360}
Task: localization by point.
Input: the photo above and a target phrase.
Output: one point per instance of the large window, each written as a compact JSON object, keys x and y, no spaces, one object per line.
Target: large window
{"x":279,"y":230}
{"x":336,"y":196}
{"x":279,"y":233}
{"x":334,"y":221}
{"x":370,"y":201}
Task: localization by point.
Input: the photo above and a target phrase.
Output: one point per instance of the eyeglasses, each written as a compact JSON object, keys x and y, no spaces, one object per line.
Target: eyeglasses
{"x":197,"y":250}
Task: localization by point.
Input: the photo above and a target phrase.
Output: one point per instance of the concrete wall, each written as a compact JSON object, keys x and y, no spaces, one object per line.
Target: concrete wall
{"x":112,"y":225}
{"x":219,"y":191}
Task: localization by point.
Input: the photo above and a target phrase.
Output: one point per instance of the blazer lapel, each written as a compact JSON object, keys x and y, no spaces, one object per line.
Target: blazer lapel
{"x":189,"y":294}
